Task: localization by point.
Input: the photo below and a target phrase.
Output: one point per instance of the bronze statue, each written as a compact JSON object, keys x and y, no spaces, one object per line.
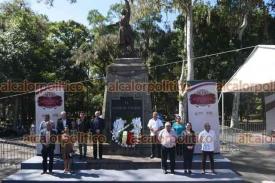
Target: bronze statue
{"x":126,"y":40}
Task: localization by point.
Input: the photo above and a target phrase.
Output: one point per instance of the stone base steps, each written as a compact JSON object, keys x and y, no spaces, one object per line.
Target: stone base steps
{"x":121,"y":163}
{"x":139,"y":175}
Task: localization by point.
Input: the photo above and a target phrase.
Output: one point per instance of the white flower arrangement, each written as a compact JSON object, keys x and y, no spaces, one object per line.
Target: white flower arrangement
{"x":119,"y":134}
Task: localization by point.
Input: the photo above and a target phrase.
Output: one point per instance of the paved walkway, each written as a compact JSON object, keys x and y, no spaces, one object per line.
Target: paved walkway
{"x":4,"y":172}
{"x":141,"y":175}
{"x":256,"y":163}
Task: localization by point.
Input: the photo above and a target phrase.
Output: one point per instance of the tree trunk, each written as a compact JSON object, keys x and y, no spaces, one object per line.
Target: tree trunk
{"x":189,"y":44}
{"x":190,"y":65}
{"x":234,"y":122}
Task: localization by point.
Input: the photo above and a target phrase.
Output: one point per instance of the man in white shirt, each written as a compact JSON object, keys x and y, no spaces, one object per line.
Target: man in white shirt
{"x":168,"y":138}
{"x":48,"y":140}
{"x":155,"y":126}
{"x":207,"y":139}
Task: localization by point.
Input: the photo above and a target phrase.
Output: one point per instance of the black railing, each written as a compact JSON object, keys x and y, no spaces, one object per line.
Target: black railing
{"x":14,"y":151}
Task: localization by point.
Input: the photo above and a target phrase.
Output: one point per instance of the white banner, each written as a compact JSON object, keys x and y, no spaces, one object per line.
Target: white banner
{"x":202,"y":108}
{"x":48,"y":100}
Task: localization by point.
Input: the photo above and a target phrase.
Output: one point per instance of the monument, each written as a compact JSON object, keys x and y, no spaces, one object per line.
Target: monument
{"x":123,"y":97}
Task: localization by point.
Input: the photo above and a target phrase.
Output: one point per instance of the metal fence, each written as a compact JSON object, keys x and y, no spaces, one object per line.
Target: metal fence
{"x":229,"y":139}
{"x":14,"y":151}
{"x":258,"y":127}
{"x":252,"y":126}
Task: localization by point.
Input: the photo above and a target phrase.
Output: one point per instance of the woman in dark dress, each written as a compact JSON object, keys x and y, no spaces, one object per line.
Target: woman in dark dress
{"x":188,"y":148}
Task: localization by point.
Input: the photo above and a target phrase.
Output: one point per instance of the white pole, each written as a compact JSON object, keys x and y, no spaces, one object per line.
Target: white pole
{"x":222,"y":115}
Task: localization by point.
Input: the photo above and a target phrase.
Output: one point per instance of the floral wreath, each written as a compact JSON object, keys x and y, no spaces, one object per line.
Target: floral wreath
{"x":123,"y":133}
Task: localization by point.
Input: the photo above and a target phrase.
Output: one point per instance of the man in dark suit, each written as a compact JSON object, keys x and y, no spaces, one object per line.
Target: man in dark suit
{"x":83,"y":127}
{"x":63,"y":122}
{"x":48,"y":138}
{"x":97,"y":127}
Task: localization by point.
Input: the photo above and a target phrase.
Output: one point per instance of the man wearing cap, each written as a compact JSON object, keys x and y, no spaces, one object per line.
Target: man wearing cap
{"x":168,"y":138}
{"x":155,"y":125}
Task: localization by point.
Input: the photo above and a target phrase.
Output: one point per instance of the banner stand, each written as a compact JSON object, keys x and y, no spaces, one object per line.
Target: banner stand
{"x":48,"y":100}
{"x":203,"y":107}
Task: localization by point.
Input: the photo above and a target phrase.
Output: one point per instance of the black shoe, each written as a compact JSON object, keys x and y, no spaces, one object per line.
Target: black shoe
{"x":43,"y":173}
{"x":185,"y":171}
{"x":172,"y":171}
{"x":165,"y":171}
{"x":189,"y":171}
{"x":152,"y":156}
{"x":50,"y":172}
{"x":203,"y":172}
{"x":95,"y":158}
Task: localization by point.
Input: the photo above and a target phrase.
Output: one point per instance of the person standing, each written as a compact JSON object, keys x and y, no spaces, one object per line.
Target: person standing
{"x":97,"y":127}
{"x":67,"y":150}
{"x":83,"y":129}
{"x":179,"y":129}
{"x":155,"y":125}
{"x":32,"y":130}
{"x":168,"y":138}
{"x":207,"y":139}
{"x":48,"y":145}
{"x":73,"y":130}
{"x":43,"y":123}
{"x":188,"y":146}
{"x":61,"y":124}
{"x":73,"y":136}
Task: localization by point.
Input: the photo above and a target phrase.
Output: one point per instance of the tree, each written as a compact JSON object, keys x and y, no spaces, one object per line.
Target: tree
{"x":185,"y":7}
{"x":23,"y":42}
{"x":24,"y":53}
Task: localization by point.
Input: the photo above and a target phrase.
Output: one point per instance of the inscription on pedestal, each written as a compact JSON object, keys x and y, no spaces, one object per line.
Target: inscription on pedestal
{"x":126,"y":108}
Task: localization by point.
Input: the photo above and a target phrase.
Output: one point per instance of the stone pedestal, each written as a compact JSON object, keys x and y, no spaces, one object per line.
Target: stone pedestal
{"x":125,"y":93}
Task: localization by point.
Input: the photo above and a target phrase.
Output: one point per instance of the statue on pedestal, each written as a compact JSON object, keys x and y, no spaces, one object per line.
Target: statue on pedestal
{"x":126,"y":39}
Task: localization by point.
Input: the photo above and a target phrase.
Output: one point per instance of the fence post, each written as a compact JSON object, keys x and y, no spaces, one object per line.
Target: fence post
{"x":222,"y":115}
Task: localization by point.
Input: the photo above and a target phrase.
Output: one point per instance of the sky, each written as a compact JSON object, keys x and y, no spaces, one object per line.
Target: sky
{"x":63,"y":10}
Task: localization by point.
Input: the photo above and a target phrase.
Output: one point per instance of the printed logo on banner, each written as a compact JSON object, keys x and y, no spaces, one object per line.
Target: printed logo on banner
{"x":202,"y":98}
{"x":49,"y":100}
